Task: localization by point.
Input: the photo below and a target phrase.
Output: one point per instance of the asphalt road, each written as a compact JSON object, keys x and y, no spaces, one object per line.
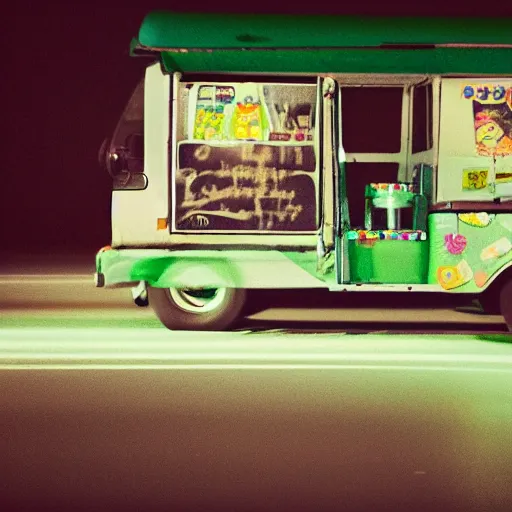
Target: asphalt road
{"x":54,"y":299}
{"x":146,"y":419}
{"x":104,"y":409}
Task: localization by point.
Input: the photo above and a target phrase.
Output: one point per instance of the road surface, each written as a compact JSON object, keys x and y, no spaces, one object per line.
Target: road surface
{"x":104,"y":409}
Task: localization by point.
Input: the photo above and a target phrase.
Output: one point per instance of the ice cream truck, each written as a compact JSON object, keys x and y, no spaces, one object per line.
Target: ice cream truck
{"x":286,"y":152}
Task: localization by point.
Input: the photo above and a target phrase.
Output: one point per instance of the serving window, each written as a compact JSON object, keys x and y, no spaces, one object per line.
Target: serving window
{"x":245,"y":158}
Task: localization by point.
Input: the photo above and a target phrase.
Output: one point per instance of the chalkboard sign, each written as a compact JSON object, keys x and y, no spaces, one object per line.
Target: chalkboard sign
{"x":245,"y":187}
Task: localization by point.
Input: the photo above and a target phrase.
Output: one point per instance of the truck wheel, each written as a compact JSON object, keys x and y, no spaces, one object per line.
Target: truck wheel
{"x":506,"y":303}
{"x":197,"y":310}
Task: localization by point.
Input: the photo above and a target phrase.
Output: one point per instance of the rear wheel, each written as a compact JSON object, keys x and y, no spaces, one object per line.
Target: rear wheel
{"x":213,"y":309}
{"x":506,"y":303}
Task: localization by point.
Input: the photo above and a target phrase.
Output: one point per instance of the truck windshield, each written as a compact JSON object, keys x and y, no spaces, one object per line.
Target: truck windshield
{"x":129,"y":134}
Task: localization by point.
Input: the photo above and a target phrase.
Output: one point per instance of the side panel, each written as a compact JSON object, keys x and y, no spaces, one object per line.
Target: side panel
{"x":469,"y":157}
{"x":245,"y":187}
{"x":135,"y":212}
{"x":245,"y":158}
{"x":210,"y":268}
{"x":467,"y":250}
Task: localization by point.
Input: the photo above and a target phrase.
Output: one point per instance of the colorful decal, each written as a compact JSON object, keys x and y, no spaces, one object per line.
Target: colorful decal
{"x":248,"y":120}
{"x":454,"y":243}
{"x":481,"y":278}
{"x":392,"y":187}
{"x":386,"y":234}
{"x":492,"y":110}
{"x":479,"y":220}
{"x":450,"y":277}
{"x":245,"y":187}
{"x":503,"y":177}
{"x":390,"y":196}
{"x":468,"y":249}
{"x":496,"y":249}
{"x":490,"y":94}
{"x":292,"y":123}
{"x":210,"y":114}
{"x":474,"y":179}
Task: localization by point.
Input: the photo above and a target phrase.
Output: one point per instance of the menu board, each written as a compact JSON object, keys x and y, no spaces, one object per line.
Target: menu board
{"x":245,"y":187}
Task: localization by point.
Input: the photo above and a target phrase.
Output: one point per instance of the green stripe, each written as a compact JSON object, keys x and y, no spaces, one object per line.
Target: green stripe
{"x":434,"y":61}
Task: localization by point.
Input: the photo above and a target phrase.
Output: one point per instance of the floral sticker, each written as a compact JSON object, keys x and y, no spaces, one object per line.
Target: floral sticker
{"x":454,"y":243}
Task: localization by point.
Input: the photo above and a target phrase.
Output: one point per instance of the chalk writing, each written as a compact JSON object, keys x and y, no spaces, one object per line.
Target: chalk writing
{"x":245,"y":187}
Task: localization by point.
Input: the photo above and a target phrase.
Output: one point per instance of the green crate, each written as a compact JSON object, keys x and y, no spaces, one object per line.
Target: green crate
{"x":388,"y":261}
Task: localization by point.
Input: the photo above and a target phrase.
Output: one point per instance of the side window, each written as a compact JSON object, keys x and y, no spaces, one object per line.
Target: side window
{"x":128,"y":144}
{"x":246,"y":158}
{"x":371,"y":119}
{"x":247,"y":112}
{"x":422,"y":130}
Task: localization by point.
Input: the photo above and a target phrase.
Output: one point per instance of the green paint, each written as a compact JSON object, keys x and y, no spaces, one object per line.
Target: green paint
{"x":161,"y":29}
{"x":321,"y":268}
{"x":388,"y":261}
{"x":195,"y":268}
{"x":51,"y":321}
{"x":324,"y":44}
{"x":466,"y":272}
{"x":438,"y":61}
{"x":371,"y":261}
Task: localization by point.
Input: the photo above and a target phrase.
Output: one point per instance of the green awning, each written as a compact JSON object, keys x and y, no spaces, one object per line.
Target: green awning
{"x":438,"y":61}
{"x":161,"y":29}
{"x":243,"y":43}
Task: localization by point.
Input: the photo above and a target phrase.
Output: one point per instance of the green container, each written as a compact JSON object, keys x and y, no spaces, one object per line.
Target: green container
{"x":388,"y":261}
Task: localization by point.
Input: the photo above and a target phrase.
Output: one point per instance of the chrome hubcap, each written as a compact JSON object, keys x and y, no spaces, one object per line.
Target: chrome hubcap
{"x":197,"y":301}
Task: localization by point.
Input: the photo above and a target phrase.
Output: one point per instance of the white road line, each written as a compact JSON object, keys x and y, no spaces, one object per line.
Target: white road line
{"x":299,"y":358}
{"x":202,"y":367}
{"x":41,"y":278}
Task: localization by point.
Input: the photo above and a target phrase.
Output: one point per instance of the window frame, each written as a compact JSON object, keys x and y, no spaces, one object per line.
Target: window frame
{"x":176,"y":116}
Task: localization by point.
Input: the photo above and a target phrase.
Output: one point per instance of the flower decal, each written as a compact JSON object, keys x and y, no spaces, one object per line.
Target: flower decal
{"x":455,"y":244}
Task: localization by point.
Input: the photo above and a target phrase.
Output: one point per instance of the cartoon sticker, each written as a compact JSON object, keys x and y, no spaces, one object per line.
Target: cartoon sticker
{"x":454,"y":243}
{"x":493,"y":132}
{"x":247,"y":120}
{"x":492,"y":110}
{"x":450,"y":276}
{"x":474,"y":179}
{"x":212,"y":101}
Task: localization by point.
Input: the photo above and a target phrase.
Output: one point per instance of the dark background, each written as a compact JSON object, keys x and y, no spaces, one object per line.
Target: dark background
{"x":66,"y":76}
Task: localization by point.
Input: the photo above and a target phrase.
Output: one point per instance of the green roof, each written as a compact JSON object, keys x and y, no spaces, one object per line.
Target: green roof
{"x":193,"y":42}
